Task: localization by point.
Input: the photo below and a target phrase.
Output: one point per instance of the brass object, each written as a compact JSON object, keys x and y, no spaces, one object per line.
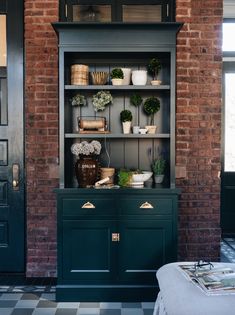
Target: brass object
{"x":146,"y":205}
{"x":115,"y":237}
{"x":15,"y":176}
{"x":88,"y":205}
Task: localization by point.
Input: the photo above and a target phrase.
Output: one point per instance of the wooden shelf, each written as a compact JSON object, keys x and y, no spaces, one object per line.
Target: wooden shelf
{"x":118,"y":136}
{"x":117,"y":87}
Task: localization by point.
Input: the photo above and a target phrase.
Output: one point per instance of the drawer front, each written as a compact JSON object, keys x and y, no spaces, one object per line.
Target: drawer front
{"x":88,"y":206}
{"x":146,"y":205}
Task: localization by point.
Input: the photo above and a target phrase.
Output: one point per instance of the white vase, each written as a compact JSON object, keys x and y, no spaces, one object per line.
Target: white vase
{"x":126,"y":127}
{"x":127,"y":76}
{"x":117,"y":81}
{"x":139,"y":77}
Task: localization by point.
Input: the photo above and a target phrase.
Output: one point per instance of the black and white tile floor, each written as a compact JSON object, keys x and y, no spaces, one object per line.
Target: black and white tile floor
{"x":32,"y":299}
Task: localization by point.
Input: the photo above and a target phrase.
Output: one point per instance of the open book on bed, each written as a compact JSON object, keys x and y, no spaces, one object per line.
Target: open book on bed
{"x":213,"y":280}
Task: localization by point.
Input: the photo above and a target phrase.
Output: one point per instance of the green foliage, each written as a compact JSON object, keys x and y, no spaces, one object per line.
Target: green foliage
{"x":78,"y":100}
{"x":151,"y":107}
{"x":154,"y":67}
{"x":124,"y":177}
{"x":117,"y":73}
{"x":158,"y":165}
{"x":136,"y":100}
{"x":125,"y":115}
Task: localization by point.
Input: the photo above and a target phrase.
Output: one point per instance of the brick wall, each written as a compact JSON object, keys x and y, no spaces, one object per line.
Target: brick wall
{"x":198,"y":130}
{"x":41,"y":118}
{"x":198,"y":126}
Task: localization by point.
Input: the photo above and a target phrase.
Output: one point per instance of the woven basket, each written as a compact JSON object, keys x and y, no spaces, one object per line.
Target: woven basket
{"x":79,"y":75}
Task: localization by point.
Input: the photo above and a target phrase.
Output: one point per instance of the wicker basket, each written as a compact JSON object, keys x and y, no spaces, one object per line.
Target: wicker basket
{"x":79,"y":75}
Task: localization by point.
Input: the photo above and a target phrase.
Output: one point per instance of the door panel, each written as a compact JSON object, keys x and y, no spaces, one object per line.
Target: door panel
{"x":11,"y":138}
{"x":228,"y":161}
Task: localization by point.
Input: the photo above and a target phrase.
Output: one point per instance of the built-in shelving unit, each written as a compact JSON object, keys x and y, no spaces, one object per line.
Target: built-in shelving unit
{"x":99,"y":229}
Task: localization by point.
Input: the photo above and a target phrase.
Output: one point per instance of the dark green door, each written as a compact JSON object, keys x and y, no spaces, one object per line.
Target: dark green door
{"x":11,"y":137}
{"x":228,"y":163}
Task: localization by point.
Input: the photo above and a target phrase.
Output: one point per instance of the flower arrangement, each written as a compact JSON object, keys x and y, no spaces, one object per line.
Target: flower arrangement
{"x":86,"y":148}
{"x":101,"y":99}
{"x":79,"y":100}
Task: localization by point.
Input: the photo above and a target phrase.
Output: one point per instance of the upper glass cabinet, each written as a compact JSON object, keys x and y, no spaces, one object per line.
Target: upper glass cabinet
{"x":101,"y":11}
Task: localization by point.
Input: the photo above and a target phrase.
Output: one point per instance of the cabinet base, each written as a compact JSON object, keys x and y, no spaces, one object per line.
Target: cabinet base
{"x":108,"y":293}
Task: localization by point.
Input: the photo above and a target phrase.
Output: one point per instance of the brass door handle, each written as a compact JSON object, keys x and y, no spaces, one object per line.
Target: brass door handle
{"x":146,"y":205}
{"x":115,"y":237}
{"x":88,"y":205}
{"x":15,"y":176}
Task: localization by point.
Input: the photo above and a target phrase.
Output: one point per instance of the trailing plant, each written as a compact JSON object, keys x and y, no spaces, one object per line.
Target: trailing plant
{"x":117,"y":73}
{"x":101,"y":99}
{"x":154,"y":67}
{"x":151,"y":107}
{"x":78,"y":100}
{"x":124,"y":177}
{"x":158,"y":165}
{"x":126,"y":115}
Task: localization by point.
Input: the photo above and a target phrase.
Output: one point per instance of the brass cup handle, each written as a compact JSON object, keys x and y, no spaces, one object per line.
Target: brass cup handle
{"x":88,"y":205}
{"x":146,"y":205}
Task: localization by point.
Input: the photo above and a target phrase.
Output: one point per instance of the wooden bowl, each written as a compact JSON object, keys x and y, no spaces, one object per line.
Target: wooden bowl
{"x":99,"y":78}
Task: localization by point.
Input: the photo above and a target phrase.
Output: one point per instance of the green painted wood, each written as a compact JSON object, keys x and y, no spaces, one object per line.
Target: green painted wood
{"x":12,"y":202}
{"x":90,"y":264}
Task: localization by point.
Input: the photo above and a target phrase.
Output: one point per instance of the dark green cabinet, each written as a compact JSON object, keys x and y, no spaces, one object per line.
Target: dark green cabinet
{"x":112,"y":252}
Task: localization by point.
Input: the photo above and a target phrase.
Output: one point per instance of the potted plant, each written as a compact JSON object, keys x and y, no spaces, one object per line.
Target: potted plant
{"x":117,"y":76}
{"x":153,"y":68}
{"x":86,"y":167}
{"x":124,"y":178}
{"x":151,"y":107}
{"x":78,"y":100}
{"x":158,"y":168}
{"x":136,"y":100}
{"x":126,"y":119}
{"x":101,"y":99}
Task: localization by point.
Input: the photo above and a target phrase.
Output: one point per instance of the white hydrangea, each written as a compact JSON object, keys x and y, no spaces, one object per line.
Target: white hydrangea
{"x":86,"y":148}
{"x":101,"y":99}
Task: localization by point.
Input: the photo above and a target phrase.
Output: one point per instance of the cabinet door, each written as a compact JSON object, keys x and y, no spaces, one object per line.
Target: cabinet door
{"x":144,"y":246}
{"x":88,"y":254}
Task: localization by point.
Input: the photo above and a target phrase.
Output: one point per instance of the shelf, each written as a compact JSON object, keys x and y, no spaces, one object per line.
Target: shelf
{"x":117,"y":136}
{"x":117,"y":87}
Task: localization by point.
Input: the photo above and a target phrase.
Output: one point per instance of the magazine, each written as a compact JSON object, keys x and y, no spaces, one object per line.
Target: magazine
{"x":214,"y":280}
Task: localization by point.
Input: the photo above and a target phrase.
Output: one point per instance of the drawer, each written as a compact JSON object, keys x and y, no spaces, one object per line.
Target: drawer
{"x":146,"y":205}
{"x":88,"y":206}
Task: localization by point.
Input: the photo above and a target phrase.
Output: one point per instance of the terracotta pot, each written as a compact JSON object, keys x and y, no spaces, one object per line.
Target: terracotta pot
{"x":86,"y":170}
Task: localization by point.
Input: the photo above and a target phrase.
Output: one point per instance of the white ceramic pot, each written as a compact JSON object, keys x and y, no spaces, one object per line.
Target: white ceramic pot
{"x":136,"y":129}
{"x":158,"y":179}
{"x":156,"y":82}
{"x":139,"y":77}
{"x":127,"y":76}
{"x":126,"y":127}
{"x":151,"y":129}
{"x":117,"y":81}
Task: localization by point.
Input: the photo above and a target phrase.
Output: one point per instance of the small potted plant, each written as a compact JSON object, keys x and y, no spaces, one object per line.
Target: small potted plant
{"x":124,"y":177}
{"x":101,"y":99}
{"x":136,"y":100}
{"x":117,"y":76}
{"x":151,"y":107}
{"x":126,"y":119}
{"x":78,"y":100}
{"x":158,"y":168}
{"x":153,"y":68}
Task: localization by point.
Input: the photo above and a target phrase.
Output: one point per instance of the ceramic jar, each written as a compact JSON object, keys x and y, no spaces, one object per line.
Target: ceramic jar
{"x":139,"y":77}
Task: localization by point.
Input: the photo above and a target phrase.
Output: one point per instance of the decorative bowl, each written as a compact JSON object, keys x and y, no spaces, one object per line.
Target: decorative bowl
{"x":139,"y":179}
{"x":99,"y":78}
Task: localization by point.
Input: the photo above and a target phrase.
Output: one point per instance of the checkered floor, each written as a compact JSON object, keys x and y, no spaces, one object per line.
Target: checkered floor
{"x":44,"y":304}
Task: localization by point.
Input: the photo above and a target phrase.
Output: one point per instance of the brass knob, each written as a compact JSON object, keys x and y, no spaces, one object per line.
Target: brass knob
{"x":14,"y":183}
{"x":146,"y":205}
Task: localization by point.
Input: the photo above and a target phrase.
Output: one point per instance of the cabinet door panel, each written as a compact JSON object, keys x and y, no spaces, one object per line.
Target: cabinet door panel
{"x":144,"y":246}
{"x":88,"y":254}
